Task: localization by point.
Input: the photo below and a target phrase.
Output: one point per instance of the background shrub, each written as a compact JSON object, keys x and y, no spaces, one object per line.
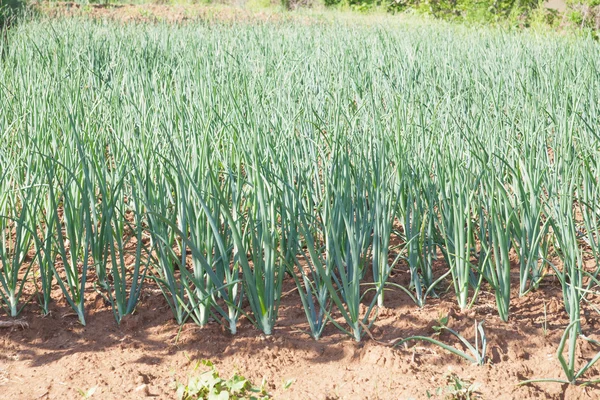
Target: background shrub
{"x":9,"y":9}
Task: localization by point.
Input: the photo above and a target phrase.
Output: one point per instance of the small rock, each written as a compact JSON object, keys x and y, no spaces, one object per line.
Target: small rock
{"x":143,"y":389}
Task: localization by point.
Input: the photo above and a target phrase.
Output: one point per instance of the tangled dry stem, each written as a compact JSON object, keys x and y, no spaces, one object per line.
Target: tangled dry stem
{"x":15,"y":323}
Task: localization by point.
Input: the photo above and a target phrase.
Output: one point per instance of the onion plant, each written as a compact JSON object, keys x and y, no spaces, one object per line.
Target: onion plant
{"x":417,"y":215}
{"x":573,"y":375}
{"x":496,"y":223}
{"x":587,"y":201}
{"x":294,"y":150}
{"x":383,"y":199}
{"x":263,"y":282}
{"x":163,"y":226}
{"x":126,"y":251}
{"x":457,"y":228}
{"x":348,"y":222}
{"x":570,"y":274}
{"x":530,"y":233}
{"x":16,"y":236}
{"x":308,"y":208}
{"x":72,"y":227}
{"x":477,"y":351}
{"x":45,"y":250}
{"x":314,"y":270}
{"x":219,"y":249}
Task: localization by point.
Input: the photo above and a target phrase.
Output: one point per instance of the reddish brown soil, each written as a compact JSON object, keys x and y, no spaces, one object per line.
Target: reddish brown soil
{"x":177,"y":13}
{"x":55,"y":356}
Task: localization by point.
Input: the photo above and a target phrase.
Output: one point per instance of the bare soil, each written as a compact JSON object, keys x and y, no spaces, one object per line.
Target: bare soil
{"x":170,"y":13}
{"x":54,"y":357}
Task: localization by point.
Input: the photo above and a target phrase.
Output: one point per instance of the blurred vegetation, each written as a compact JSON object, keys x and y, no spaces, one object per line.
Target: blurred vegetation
{"x":516,"y":13}
{"x":584,"y":15}
{"x":481,"y":11}
{"x":9,"y":11}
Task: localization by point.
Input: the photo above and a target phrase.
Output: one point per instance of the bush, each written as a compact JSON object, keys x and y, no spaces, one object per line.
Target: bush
{"x":469,"y":10}
{"x":478,"y":10}
{"x":9,"y":9}
{"x":584,"y":13}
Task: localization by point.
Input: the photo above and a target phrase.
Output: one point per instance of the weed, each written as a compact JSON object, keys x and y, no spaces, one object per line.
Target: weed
{"x":209,"y":385}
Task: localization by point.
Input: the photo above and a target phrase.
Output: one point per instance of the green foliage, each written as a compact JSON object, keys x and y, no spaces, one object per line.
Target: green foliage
{"x":589,"y":3}
{"x":481,"y":11}
{"x":583,"y":15}
{"x":210,"y":386}
{"x":320,"y":151}
{"x":9,"y":10}
{"x":574,"y":376}
{"x":456,"y":389}
{"x":575,"y":17}
{"x":477,"y":351}
{"x":477,"y":10}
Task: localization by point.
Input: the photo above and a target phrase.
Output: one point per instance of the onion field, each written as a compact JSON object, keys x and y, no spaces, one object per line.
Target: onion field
{"x":220,"y":161}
